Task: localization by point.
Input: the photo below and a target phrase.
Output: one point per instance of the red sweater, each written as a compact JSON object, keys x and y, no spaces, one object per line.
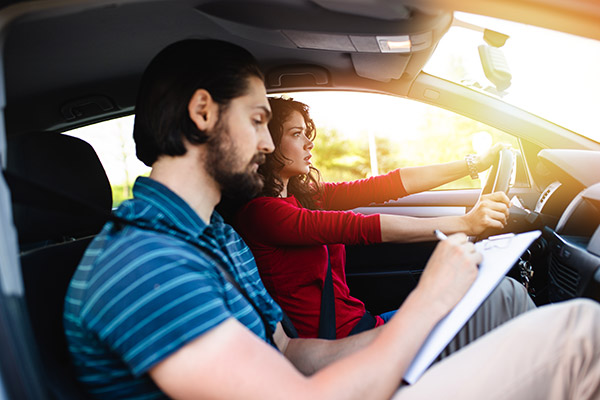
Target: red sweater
{"x":291,"y":243}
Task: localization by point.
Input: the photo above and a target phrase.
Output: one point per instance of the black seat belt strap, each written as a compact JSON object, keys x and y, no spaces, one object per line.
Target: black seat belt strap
{"x":327,"y":325}
{"x":230,"y":279}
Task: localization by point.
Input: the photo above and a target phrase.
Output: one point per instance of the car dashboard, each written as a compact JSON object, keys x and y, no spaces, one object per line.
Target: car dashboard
{"x":566,"y":260}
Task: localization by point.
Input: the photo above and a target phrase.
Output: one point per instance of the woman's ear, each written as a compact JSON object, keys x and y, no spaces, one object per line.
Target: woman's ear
{"x":202,"y":109}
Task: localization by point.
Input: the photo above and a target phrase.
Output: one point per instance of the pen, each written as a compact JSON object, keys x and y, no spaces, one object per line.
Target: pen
{"x":440,"y":235}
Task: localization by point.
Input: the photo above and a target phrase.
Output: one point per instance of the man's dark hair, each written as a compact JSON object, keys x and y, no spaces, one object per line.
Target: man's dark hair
{"x":162,"y":119}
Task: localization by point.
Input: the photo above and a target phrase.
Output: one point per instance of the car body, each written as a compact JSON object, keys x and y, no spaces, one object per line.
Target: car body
{"x":67,"y":64}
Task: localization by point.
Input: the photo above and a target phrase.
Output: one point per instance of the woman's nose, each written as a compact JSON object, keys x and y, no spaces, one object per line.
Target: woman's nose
{"x":309,"y":144}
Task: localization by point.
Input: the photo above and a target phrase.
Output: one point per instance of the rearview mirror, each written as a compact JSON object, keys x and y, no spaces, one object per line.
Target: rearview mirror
{"x":495,"y":66}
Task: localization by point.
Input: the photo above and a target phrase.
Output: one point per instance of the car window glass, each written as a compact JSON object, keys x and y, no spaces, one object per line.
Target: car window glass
{"x":113,"y":142}
{"x":365,"y":134}
{"x":358,"y":135}
{"x":553,"y":74}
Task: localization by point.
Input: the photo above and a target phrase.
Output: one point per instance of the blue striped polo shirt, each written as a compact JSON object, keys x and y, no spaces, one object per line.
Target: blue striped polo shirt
{"x":142,"y":292}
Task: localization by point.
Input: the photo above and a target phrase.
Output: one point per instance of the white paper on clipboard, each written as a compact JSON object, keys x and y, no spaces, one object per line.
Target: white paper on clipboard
{"x":499,"y":255}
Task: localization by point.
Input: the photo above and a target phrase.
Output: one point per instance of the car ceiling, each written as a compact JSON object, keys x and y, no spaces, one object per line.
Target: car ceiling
{"x":70,"y":66}
{"x":74,"y":62}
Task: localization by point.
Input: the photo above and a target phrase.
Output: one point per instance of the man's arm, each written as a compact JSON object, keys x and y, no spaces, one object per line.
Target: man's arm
{"x":311,"y":355}
{"x":230,"y":362}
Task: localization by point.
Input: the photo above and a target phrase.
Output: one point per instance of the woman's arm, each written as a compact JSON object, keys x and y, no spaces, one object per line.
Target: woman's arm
{"x":362,"y":192}
{"x":419,"y":179}
{"x":276,"y":222}
{"x":490,"y":212}
{"x":400,"y":182}
{"x":279,"y":222}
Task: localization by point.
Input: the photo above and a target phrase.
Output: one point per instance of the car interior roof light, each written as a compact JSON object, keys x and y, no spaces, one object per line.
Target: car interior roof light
{"x":394,"y":44}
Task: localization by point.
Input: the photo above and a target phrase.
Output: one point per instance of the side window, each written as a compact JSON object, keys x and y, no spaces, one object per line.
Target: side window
{"x":113,"y":142}
{"x":364,"y":134}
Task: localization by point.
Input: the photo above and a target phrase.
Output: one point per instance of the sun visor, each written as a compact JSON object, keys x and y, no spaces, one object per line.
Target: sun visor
{"x":320,"y":41}
{"x":380,"y":67}
{"x":390,"y":10}
{"x":360,"y":43}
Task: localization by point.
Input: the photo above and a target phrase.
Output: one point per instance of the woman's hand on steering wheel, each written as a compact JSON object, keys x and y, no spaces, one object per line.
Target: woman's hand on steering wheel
{"x":491,"y":211}
{"x":488,"y":158}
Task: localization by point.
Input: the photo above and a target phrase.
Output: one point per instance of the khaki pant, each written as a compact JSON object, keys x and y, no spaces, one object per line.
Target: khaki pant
{"x":507,"y":301}
{"x":546,"y":354}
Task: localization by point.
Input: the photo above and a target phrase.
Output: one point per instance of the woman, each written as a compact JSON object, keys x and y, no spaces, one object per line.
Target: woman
{"x":297,"y":227}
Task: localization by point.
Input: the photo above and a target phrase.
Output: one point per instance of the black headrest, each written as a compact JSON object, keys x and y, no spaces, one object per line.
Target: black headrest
{"x":53,"y":177}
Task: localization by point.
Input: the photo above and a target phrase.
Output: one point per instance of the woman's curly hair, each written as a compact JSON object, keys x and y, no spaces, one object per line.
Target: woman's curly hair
{"x":306,"y":188}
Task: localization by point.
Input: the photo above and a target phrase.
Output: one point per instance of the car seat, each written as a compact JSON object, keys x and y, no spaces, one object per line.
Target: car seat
{"x":54,"y":179}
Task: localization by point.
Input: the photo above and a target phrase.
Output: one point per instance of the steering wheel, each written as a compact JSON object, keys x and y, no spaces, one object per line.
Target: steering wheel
{"x":498,"y":180}
{"x":499,"y":177}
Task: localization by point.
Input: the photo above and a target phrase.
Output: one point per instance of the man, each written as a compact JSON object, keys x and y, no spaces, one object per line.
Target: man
{"x":154,"y":309}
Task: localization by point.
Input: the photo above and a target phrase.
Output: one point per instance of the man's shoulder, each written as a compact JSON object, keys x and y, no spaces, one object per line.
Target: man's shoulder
{"x":131,"y":252}
{"x":138,"y":263}
{"x":117,"y":237}
{"x":142,"y":246}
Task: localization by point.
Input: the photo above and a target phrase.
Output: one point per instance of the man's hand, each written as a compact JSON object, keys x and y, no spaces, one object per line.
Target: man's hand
{"x":490,"y":212}
{"x":450,"y":272}
{"x":489,"y":157}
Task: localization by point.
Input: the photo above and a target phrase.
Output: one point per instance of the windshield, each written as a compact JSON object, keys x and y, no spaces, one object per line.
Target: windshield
{"x":554,"y":75}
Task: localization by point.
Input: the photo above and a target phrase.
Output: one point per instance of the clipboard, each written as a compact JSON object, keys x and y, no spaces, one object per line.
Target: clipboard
{"x":499,"y":254}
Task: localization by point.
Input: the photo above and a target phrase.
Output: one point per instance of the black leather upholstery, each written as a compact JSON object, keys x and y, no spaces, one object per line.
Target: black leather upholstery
{"x":46,"y":275}
{"x":48,"y":164}
{"x":51,"y":176}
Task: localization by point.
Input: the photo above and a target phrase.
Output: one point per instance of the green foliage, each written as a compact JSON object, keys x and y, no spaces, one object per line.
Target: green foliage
{"x":120,"y":194}
{"x":339,"y":158}
{"x":388,"y":154}
{"x":123,"y":192}
{"x":442,"y":137}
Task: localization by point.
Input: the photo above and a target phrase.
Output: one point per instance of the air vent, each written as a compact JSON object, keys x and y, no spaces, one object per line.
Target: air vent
{"x":564,"y":280}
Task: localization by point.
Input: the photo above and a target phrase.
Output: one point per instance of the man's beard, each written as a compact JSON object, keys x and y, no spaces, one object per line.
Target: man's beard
{"x":237,"y":187}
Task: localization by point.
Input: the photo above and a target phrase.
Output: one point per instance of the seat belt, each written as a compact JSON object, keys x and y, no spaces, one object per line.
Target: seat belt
{"x":327,"y":323}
